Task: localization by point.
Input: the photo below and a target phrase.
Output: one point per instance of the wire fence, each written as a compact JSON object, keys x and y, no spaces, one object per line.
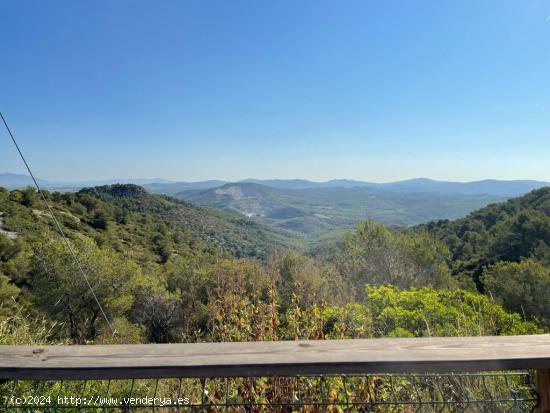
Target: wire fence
{"x":472,"y":392}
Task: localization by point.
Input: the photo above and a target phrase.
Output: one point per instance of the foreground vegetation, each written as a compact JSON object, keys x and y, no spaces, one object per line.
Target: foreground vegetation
{"x":505,"y":250}
{"x":168,"y":271}
{"x":163,"y":274}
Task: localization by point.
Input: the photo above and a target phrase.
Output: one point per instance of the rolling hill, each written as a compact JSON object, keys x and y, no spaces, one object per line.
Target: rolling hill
{"x":12,"y":181}
{"x":232,"y":232}
{"x":418,"y":185}
{"x":105,"y":208}
{"x":315,"y":210}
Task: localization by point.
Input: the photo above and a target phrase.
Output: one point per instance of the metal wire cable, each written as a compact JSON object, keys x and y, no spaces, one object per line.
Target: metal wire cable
{"x":59,"y":228}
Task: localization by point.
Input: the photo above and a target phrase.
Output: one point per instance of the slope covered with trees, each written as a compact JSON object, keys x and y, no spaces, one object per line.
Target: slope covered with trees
{"x":505,"y":249}
{"x":165,"y":270}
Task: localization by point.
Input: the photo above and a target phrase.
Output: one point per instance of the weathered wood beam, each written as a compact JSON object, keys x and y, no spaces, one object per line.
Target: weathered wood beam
{"x":384,"y":355}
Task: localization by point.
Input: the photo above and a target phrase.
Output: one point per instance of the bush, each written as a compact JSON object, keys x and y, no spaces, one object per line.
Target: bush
{"x":521,"y":287}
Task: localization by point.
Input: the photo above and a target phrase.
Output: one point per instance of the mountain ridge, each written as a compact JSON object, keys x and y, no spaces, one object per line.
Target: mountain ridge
{"x":315,"y":210}
{"x":415,"y":185}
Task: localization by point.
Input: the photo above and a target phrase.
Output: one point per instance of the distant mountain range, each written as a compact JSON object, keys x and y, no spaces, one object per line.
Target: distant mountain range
{"x":320,"y":209}
{"x":9,"y":180}
{"x":417,"y":185}
{"x":308,"y":207}
{"x":12,"y":181}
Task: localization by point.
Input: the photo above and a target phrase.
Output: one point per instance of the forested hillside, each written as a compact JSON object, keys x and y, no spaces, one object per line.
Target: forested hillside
{"x":165,"y":270}
{"x":229,"y":231}
{"x":314,"y":210}
{"x":505,"y":249}
{"x":136,"y":247}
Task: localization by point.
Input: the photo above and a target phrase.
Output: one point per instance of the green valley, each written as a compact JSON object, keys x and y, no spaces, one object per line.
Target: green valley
{"x":316,"y":210}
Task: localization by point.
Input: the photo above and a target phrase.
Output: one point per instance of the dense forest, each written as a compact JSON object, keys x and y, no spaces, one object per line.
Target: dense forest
{"x":168,"y":271}
{"x":505,"y":250}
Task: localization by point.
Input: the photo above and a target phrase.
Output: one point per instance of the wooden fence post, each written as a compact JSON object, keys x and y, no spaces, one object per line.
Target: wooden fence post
{"x":543,"y":391}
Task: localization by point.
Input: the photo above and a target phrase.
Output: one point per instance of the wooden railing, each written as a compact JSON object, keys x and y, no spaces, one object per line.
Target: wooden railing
{"x":283,"y":358}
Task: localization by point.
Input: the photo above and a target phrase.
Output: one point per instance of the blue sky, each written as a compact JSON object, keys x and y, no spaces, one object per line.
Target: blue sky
{"x":192,"y":90}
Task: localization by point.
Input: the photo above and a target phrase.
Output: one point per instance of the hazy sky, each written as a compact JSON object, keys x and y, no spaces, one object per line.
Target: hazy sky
{"x":190,"y":90}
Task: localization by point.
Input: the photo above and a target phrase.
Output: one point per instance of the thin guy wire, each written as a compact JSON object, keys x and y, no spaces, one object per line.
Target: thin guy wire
{"x":154,"y":405}
{"x":107,"y":396}
{"x":83,"y":393}
{"x":67,"y":243}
